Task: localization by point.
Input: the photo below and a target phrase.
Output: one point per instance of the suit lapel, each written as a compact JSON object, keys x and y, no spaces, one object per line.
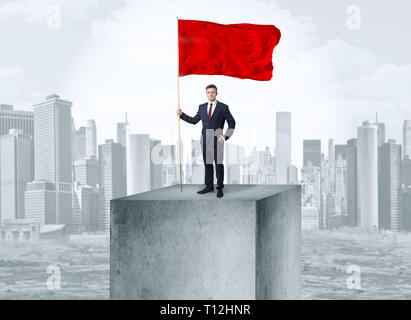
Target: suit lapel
{"x":215,"y":110}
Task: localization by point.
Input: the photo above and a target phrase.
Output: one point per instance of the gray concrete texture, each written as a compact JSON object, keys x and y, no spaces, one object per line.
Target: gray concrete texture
{"x":167,"y":244}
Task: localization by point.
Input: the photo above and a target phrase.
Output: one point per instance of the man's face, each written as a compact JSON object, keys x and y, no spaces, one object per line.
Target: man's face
{"x":211,"y":94}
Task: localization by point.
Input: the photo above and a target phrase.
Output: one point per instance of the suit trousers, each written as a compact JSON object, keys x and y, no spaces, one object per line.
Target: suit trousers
{"x":208,"y":154}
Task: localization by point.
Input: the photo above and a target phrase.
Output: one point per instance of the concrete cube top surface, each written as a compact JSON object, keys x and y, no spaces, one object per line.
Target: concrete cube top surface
{"x":232,"y":192}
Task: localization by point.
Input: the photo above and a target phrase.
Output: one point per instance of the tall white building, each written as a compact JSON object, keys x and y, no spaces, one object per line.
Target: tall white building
{"x":91,"y":138}
{"x":406,"y":138}
{"x":40,"y":202}
{"x":52,"y":163}
{"x":122,"y":131}
{"x":234,"y":157}
{"x":331,"y":166}
{"x":138,"y":163}
{"x":156,"y":164}
{"x":352,"y":183}
{"x":390,"y":202}
{"x":13,"y":119}
{"x":282,"y":146}
{"x":367,"y":162}
{"x":85,"y":195}
{"x":112,"y":180}
{"x":16,"y":167}
{"x":171,"y":174}
{"x":85,"y":208}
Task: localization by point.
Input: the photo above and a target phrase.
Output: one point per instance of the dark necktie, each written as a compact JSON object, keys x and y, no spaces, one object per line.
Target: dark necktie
{"x":209,"y":111}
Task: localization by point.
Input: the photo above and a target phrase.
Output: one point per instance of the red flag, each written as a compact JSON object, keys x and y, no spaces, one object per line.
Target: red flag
{"x":241,"y":50}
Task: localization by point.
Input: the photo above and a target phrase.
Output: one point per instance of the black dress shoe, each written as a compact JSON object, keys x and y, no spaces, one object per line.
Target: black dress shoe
{"x":206,"y":190}
{"x":220,"y":193}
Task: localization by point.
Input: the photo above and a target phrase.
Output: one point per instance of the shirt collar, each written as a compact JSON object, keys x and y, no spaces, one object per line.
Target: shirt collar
{"x":214,"y":103}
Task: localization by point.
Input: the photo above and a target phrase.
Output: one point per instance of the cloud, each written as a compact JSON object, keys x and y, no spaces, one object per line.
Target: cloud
{"x":130,"y":64}
{"x":36,"y":10}
{"x":10,"y":73}
{"x":11,"y":79}
{"x":387,"y":82}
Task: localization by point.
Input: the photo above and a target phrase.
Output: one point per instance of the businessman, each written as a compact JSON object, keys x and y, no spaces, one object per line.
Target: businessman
{"x":213,"y":115}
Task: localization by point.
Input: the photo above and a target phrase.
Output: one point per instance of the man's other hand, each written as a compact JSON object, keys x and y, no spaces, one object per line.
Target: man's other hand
{"x":221,"y":138}
{"x":179,"y":112}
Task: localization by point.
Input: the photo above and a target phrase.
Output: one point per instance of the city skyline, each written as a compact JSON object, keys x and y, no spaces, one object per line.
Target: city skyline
{"x":330,"y":180}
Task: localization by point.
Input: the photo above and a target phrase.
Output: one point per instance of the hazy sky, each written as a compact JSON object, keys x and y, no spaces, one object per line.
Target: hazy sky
{"x":113,"y":56}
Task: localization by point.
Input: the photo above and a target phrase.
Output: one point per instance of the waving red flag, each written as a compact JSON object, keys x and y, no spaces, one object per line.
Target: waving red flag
{"x":237,"y":50}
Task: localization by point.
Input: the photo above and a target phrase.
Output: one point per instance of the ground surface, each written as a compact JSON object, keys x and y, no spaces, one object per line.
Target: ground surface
{"x":383,"y":260}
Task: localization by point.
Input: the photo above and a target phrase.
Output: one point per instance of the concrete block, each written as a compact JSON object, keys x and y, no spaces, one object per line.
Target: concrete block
{"x":167,"y":244}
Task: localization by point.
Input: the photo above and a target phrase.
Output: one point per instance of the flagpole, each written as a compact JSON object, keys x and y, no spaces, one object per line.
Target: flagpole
{"x":178,"y":97}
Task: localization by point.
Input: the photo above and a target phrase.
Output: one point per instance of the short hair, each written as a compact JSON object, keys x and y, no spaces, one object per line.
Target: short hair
{"x":211,"y":86}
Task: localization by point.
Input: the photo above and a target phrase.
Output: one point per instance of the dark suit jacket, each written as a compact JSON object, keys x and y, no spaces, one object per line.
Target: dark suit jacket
{"x":218,"y":117}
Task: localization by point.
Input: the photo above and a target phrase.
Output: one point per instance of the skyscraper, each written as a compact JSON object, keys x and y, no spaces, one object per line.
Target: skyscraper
{"x":86,"y":195}
{"x":367,"y":175}
{"x":341,"y":183}
{"x":85,"y":208}
{"x":406,"y":138}
{"x":52,"y":163}
{"x":234,"y":156}
{"x":170,"y":165}
{"x":86,"y":171}
{"x":311,"y":191}
{"x":13,"y":119}
{"x":352,"y":183}
{"x":331,"y":166}
{"x":309,"y":218}
{"x":156,"y":164}
{"x":16,"y":168}
{"x":188,"y":173}
{"x":407,"y":208}
{"x":265,"y":167}
{"x":79,"y":143}
{"x":40,"y":202}
{"x":122,"y":131}
{"x":91,"y":139}
{"x":282,"y":146}
{"x":312,"y":152}
{"x":113,"y":182}
{"x":292,"y":174}
{"x":406,"y":172}
{"x":340,"y":149}
{"x":389,"y":186}
{"x":380,"y":131}
{"x":138,"y":163}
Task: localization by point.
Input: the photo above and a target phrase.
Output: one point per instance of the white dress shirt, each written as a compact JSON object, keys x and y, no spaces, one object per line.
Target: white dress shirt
{"x":213,"y":108}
